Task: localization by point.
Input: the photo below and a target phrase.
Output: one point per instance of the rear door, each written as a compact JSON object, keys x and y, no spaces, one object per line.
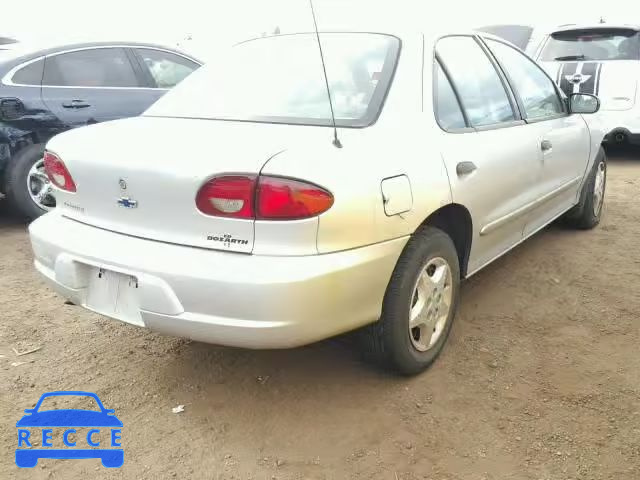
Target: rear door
{"x":563,"y":139}
{"x":92,"y":85}
{"x":490,"y":153}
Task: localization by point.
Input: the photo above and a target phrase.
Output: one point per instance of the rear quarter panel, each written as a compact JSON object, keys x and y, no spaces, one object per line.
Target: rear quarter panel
{"x":401,"y":142}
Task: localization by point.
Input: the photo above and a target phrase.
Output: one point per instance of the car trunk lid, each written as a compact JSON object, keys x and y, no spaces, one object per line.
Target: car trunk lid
{"x":141,"y":176}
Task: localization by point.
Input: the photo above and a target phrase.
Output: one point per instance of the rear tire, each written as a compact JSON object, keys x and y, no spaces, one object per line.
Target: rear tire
{"x":419,"y":305}
{"x":16,"y":175}
{"x":586,"y":215}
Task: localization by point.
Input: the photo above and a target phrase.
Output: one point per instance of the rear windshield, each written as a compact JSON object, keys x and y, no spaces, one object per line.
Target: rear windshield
{"x":595,"y":44}
{"x":280,"y":80}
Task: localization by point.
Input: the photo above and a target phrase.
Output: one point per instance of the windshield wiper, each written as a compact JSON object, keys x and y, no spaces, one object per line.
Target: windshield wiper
{"x":570,"y":57}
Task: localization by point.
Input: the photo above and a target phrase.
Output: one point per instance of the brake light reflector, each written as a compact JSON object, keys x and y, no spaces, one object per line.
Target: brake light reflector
{"x":227,"y":196}
{"x":262,"y":198}
{"x":58,"y":173}
{"x":287,"y":199}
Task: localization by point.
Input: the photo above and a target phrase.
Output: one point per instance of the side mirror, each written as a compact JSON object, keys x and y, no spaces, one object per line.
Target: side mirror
{"x":583,"y":103}
{"x":30,"y":410}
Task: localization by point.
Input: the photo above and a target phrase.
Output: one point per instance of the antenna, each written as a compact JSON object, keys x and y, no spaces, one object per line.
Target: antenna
{"x":336,"y":141}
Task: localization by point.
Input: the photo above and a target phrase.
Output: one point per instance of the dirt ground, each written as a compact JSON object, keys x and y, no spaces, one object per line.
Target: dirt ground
{"x":540,"y":379}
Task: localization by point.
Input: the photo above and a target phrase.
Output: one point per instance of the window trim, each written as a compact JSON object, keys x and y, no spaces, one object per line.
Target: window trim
{"x":518,"y":120}
{"x":541,"y":47}
{"x":438,"y":63}
{"x":523,"y":111}
{"x":8,"y":78}
{"x":516,"y":104}
{"x":25,"y":65}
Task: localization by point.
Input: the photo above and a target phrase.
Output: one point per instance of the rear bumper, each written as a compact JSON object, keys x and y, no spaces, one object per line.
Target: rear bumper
{"x":241,"y":300}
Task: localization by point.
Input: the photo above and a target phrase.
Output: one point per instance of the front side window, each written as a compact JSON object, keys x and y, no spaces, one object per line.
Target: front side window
{"x":592,"y":44}
{"x":280,"y":80}
{"x":166,"y":69}
{"x":481,"y":91}
{"x":448,"y":112}
{"x":99,"y":67}
{"x":537,"y":92}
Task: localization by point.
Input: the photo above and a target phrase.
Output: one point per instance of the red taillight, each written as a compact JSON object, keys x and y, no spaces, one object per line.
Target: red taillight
{"x":227,"y":196}
{"x":262,"y":198}
{"x":286,"y":199}
{"x":58,"y":173}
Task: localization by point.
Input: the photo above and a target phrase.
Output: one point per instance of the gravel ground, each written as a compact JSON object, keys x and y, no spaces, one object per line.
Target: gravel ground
{"x":540,"y":379}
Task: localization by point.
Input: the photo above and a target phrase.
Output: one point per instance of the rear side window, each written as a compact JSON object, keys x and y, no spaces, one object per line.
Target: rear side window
{"x":99,"y":67}
{"x":448,"y":112}
{"x":477,"y":82}
{"x":537,"y":92}
{"x":30,"y":74}
{"x":594,"y":44}
{"x":166,"y":69}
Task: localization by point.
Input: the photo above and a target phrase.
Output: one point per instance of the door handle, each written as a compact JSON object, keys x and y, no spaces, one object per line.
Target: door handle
{"x":465,"y":168}
{"x":76,"y":104}
{"x":546,"y":145}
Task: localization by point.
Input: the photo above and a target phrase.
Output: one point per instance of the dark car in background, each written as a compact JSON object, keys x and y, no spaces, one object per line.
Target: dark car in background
{"x":46,"y":91}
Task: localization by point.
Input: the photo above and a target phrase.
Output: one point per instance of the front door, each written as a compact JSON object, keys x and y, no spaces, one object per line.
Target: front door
{"x":563,"y":139}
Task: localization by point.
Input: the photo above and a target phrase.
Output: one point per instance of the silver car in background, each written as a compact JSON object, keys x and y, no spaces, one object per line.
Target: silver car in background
{"x":229,"y":213}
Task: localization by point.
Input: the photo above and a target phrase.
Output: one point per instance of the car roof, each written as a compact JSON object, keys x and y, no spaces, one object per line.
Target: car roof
{"x":430,"y":36}
{"x":23,"y":51}
{"x":61,"y":393}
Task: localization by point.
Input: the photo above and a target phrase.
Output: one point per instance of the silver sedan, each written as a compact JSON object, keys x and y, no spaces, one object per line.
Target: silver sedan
{"x":233,"y":212}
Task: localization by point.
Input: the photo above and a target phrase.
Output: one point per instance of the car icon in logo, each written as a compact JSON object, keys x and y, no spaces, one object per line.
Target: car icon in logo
{"x":74,"y":422}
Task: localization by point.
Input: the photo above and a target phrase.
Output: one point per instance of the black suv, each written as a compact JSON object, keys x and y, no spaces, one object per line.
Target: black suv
{"x":46,"y":91}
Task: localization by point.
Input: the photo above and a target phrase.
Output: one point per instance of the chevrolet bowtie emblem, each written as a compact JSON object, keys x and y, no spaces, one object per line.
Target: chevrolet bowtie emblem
{"x":127,"y":202}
